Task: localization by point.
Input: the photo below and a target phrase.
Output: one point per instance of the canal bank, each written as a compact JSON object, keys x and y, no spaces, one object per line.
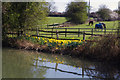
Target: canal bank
{"x":106,"y":49}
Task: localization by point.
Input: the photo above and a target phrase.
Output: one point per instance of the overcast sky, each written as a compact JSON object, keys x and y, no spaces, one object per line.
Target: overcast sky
{"x":95,"y":4}
{"x":61,"y":4}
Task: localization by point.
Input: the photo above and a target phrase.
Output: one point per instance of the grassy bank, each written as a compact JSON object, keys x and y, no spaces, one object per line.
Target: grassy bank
{"x":105,"y":49}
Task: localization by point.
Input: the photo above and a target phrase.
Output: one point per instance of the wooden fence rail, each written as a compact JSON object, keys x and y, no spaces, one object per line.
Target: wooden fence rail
{"x":79,"y":31}
{"x":70,"y":31}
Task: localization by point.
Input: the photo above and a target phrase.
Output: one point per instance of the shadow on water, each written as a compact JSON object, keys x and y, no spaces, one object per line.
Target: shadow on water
{"x":28,"y":64}
{"x":17,"y":64}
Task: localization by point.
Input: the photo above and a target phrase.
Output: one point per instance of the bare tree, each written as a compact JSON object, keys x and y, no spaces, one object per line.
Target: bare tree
{"x":104,"y":12}
{"x":52,"y":7}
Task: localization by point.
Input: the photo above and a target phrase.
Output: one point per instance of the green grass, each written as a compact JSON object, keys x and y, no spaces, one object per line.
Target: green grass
{"x":109,"y":25}
{"x":52,"y":20}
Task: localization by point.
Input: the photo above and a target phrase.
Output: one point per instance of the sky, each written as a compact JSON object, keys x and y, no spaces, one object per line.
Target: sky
{"x":95,"y":4}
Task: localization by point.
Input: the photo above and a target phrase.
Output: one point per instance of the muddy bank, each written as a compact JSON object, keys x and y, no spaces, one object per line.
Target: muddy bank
{"x":23,"y":44}
{"x":106,"y":50}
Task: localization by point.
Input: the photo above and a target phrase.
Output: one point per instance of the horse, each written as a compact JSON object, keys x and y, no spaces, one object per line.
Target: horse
{"x":90,"y":22}
{"x":100,"y":26}
{"x":104,"y":25}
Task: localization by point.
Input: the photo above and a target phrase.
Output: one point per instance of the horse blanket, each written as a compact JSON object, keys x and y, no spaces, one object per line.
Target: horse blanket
{"x":98,"y":26}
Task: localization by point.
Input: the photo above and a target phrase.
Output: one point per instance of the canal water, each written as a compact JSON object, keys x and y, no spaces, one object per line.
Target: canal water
{"x":31,"y":64}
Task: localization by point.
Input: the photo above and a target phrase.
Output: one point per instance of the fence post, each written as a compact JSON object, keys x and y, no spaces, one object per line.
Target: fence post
{"x":52,"y":32}
{"x":21,"y":32}
{"x":105,"y":31}
{"x":63,"y":25}
{"x":12,"y":34}
{"x":78,"y":32}
{"x":83,"y":35}
{"x":47,"y":25}
{"x":118,"y":32}
{"x":57,"y":35}
{"x":65,"y":32}
{"x":18,"y":34}
{"x":37,"y":31}
{"x":92,"y":33}
{"x":53,"y":25}
{"x":24,"y":32}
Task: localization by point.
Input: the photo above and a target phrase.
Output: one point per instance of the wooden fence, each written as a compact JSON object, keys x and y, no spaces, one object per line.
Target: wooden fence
{"x":66,"y":32}
{"x":45,"y":32}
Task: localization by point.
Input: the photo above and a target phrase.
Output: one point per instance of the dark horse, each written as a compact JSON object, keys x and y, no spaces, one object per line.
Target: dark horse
{"x":100,"y":26}
{"x":90,"y":22}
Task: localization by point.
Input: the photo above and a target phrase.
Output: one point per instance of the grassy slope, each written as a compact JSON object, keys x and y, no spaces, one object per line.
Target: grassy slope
{"x":110,"y":24}
{"x":52,"y":20}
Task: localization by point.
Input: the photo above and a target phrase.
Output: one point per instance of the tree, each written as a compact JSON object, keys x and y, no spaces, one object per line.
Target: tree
{"x":117,"y":11}
{"x":76,"y":12}
{"x":104,"y":12}
{"x":21,"y":15}
{"x":51,"y":6}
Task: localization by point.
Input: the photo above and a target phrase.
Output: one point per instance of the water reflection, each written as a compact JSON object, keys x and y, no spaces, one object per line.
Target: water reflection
{"x":19,"y":63}
{"x":102,"y":71}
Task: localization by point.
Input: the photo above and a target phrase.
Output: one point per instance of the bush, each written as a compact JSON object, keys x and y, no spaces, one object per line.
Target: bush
{"x":106,"y":48}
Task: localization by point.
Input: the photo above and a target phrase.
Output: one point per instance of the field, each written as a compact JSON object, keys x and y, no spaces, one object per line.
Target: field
{"x":109,"y":24}
{"x":53,"y":20}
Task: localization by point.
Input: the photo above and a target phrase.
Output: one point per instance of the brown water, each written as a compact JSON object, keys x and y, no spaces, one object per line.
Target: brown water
{"x":30,"y":64}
